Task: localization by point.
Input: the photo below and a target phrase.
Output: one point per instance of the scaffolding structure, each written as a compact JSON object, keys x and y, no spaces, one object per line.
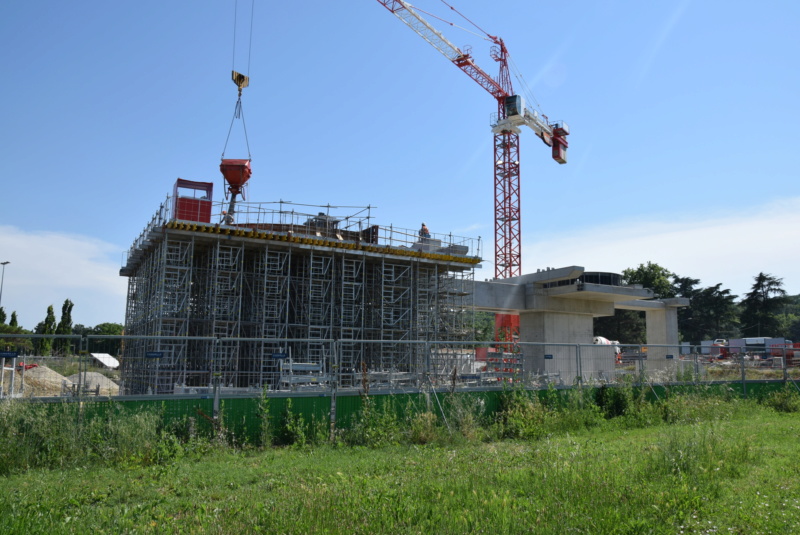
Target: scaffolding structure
{"x":255,"y":304}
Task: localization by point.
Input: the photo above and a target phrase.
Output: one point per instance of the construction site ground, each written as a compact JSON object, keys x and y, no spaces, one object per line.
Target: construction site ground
{"x":42,"y":381}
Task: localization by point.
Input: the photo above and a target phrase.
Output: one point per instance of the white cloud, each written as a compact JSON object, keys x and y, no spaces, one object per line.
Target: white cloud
{"x":714,"y":247}
{"x":48,"y":267}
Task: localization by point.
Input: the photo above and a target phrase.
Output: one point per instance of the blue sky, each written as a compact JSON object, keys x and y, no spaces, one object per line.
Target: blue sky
{"x":683,"y":117}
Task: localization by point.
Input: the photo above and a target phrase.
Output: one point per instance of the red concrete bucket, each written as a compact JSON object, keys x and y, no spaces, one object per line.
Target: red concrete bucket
{"x":236,"y":173}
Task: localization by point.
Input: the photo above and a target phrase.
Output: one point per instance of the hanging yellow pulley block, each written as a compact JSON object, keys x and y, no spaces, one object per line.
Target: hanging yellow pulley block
{"x":240,"y":80}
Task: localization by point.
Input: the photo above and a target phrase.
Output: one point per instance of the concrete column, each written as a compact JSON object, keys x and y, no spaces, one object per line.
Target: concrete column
{"x":662,"y":329}
{"x":553,"y":327}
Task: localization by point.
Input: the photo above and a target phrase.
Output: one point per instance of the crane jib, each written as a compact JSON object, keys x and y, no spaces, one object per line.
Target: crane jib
{"x":466,"y":64}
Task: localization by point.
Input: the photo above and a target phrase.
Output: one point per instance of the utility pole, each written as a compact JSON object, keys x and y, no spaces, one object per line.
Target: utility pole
{"x":2,"y":278}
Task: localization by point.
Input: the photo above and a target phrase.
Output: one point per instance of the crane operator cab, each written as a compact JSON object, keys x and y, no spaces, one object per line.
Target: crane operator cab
{"x":515,"y":105}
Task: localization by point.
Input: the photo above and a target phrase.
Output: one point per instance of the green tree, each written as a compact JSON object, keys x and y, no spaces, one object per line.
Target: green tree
{"x":651,"y":276}
{"x":2,"y":316}
{"x":13,"y":322}
{"x":714,"y":314}
{"x":791,"y":318}
{"x":81,"y":329}
{"x":484,"y":326}
{"x":625,"y":326}
{"x":20,"y":345}
{"x":64,"y":327}
{"x":762,"y":307}
{"x":44,"y":346}
{"x":112,"y":347}
{"x":685,"y":287}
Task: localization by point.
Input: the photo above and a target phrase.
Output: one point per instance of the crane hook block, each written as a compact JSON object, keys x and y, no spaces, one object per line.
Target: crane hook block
{"x":240,"y":80}
{"x":236,"y":173}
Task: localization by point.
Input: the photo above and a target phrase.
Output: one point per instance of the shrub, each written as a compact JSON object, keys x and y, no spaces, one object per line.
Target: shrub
{"x":374,"y":426}
{"x":265,"y":429}
{"x":292,"y":429}
{"x":614,"y":401}
{"x":785,"y":400}
{"x":521,"y":415}
{"x":580,"y":410}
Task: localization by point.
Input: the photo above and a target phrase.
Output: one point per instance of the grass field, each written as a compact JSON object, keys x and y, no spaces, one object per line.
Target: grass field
{"x":690,"y":464}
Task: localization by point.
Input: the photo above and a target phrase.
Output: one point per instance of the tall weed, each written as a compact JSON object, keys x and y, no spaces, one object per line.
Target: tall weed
{"x":60,"y":435}
{"x":699,"y":453}
{"x":374,"y":426}
{"x":424,"y":428}
{"x":579,"y":410}
{"x":466,"y":414}
{"x":695,"y":407}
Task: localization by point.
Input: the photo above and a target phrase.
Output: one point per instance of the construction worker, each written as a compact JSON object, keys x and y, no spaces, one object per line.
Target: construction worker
{"x":227,"y":218}
{"x":424,"y":232}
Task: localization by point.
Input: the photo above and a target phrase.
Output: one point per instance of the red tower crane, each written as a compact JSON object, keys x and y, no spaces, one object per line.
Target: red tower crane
{"x":511,"y":114}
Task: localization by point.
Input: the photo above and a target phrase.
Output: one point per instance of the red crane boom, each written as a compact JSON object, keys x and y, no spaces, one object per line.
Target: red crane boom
{"x":511,"y":114}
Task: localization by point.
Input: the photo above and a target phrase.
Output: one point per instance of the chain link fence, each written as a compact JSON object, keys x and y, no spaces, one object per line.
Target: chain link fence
{"x":61,"y":365}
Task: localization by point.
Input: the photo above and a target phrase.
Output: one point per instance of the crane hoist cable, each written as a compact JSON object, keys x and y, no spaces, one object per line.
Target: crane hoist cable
{"x":484,"y":32}
{"x":241,"y":80}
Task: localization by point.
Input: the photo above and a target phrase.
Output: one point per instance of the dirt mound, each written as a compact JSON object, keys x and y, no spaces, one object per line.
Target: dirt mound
{"x":92,"y":379}
{"x":39,"y":381}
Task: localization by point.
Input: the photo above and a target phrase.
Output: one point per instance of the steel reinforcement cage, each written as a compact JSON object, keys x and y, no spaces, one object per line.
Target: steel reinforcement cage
{"x":254,"y":303}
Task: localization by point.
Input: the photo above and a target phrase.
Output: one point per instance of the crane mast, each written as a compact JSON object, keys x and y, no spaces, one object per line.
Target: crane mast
{"x":511,"y":114}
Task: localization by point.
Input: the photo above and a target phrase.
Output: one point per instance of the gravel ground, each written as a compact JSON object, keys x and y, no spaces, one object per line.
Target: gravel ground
{"x":39,"y":381}
{"x":92,"y":379}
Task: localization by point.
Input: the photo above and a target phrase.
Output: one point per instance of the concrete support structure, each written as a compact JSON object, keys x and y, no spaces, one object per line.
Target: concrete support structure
{"x":558,"y":306}
{"x":662,"y":329}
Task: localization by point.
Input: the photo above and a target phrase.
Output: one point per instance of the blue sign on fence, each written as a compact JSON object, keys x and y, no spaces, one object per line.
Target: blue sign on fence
{"x":154,"y":354}
{"x":8,"y":354}
{"x":279,"y":355}
{"x":670,"y":356}
{"x":548,"y":357}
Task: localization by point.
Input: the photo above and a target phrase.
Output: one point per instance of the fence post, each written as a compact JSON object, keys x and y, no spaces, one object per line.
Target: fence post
{"x":334,"y":384}
{"x":744,"y":382}
{"x":215,"y":413}
{"x":578,"y":363}
{"x":785,"y":367}
{"x":427,"y":371}
{"x":13,"y":367}
{"x":642,"y":366}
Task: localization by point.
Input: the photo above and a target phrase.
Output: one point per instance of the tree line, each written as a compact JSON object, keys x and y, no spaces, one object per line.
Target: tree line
{"x":714,"y":312}
{"x":56,"y":346}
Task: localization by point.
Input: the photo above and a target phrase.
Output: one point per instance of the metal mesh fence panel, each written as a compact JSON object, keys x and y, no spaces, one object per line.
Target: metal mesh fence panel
{"x":95,"y":365}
